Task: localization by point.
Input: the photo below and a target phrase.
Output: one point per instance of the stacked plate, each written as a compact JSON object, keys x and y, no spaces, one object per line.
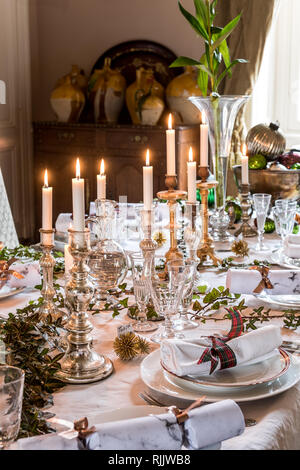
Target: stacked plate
{"x":242,"y":383}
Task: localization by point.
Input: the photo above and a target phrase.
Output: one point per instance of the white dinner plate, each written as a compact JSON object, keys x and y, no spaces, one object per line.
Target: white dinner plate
{"x":157,"y":380}
{"x":284,"y":263}
{"x":240,"y":376}
{"x":281,"y":301}
{"x":13,"y":291}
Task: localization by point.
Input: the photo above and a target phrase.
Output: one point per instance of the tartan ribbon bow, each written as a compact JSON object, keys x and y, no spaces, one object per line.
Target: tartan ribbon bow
{"x":265,"y":282}
{"x":220,"y":351}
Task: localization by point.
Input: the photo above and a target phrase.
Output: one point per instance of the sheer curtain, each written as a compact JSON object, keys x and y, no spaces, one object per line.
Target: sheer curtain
{"x":276,"y":95}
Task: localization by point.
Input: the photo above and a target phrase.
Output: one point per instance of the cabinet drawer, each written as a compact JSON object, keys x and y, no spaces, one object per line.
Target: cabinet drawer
{"x":62,"y":137}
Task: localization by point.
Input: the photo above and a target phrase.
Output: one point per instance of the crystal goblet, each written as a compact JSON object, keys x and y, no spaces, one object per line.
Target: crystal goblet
{"x":141,"y":292}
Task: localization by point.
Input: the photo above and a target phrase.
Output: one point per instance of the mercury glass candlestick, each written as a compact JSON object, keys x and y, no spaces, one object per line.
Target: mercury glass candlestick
{"x":206,"y":247}
{"x":47,"y":263}
{"x":245,"y":229}
{"x":81,"y":364}
{"x":172,"y":196}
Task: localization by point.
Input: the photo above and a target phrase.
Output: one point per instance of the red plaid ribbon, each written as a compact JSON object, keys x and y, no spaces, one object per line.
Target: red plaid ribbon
{"x":220,"y":351}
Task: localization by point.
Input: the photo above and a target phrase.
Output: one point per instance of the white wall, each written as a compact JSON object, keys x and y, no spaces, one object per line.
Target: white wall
{"x":66,"y":32}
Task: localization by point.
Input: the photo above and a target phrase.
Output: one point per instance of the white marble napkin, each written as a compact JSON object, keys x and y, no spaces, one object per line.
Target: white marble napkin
{"x":211,"y":423}
{"x":181,"y":356}
{"x":29,"y":271}
{"x":245,"y":281}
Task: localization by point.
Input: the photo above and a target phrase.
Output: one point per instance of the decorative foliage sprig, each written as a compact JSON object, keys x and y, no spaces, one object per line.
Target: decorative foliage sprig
{"x":216,"y":48}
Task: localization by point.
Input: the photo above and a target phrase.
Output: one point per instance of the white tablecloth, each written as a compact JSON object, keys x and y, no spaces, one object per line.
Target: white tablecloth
{"x":278,"y":417}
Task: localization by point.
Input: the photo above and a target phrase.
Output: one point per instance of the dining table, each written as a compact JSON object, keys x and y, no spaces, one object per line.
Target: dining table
{"x":275,"y":419}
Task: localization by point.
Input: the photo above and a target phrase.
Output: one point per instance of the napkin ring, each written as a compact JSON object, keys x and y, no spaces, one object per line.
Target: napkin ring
{"x":82,"y":426}
{"x":183,"y":415}
{"x":265,"y":282}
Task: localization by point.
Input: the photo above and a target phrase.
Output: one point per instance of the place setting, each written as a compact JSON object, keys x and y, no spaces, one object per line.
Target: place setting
{"x":150,"y":266}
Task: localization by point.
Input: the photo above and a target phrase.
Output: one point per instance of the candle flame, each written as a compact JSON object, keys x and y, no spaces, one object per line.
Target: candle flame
{"x":46,"y":179}
{"x":147,"y":157}
{"x":170,"y":123}
{"x":244,"y":150}
{"x":191,"y":157}
{"x":102,"y":169}
{"x":203,"y":117}
{"x":77,"y":169}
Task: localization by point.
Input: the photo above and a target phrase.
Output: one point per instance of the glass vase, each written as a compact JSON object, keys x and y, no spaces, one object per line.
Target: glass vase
{"x":107,"y":259}
{"x":221,"y":113}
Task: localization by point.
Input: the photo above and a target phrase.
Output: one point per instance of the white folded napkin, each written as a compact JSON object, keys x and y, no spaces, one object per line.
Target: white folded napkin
{"x":245,"y":281}
{"x":205,"y":427}
{"x":181,"y":356}
{"x":29,"y":271}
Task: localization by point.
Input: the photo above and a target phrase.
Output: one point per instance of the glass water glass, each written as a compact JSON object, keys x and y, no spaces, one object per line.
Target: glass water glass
{"x":141,"y":292}
{"x":166,"y":296}
{"x":188,"y":269}
{"x":261,"y":205}
{"x":284,"y":215}
{"x":11,"y":397}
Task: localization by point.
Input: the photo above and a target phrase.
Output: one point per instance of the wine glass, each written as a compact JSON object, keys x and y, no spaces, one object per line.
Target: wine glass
{"x":188,"y":269}
{"x":141,"y":292}
{"x":284,"y":215}
{"x":11,"y":396}
{"x":166,"y":296}
{"x":261,"y":205}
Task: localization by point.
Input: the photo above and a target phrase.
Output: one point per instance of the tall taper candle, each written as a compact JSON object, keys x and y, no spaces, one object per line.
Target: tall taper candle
{"x":245,"y":167}
{"x":148,"y":183}
{"x":203,"y":141}
{"x":171,"y":162}
{"x":101,"y":182}
{"x":192,"y":176}
{"x":78,"y":200}
{"x":46,"y":210}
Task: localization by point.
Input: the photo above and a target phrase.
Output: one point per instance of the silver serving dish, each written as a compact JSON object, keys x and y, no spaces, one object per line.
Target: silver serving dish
{"x":282,"y":184}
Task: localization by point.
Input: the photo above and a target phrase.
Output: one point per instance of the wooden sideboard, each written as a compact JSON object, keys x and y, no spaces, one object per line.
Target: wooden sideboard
{"x":123,"y":147}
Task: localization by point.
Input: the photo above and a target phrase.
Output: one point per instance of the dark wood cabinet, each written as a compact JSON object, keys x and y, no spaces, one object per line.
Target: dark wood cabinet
{"x":57,"y":145}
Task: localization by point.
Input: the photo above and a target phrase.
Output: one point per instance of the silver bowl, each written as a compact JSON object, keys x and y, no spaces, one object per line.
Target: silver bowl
{"x":281,"y":184}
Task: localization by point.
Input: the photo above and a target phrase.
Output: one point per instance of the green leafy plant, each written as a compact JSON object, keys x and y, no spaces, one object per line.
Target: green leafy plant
{"x":215,"y":64}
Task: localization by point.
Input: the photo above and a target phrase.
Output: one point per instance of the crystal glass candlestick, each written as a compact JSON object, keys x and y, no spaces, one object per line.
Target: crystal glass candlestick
{"x":81,"y":364}
{"x":107,"y":259}
{"x":192,"y":232}
{"x":47,"y":263}
{"x":245,"y":229}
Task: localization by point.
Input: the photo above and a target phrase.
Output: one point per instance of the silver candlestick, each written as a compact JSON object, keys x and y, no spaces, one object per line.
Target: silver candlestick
{"x":245,"y":229}
{"x":81,"y":364}
{"x":47,"y":263}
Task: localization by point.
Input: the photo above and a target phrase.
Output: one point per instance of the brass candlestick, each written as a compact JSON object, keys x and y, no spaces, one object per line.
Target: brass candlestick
{"x":47,"y":263}
{"x":172,"y":195}
{"x":206,"y":246}
{"x":81,"y":364}
{"x":245,"y":229}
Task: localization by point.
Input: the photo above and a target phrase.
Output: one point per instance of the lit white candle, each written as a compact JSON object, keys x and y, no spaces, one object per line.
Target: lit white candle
{"x":203,"y":141}
{"x":192,"y":175}
{"x":245,"y":167}
{"x":46,"y":211}
{"x":101,"y":182}
{"x":171,"y":162}
{"x":148,"y":183}
{"x":78,"y":200}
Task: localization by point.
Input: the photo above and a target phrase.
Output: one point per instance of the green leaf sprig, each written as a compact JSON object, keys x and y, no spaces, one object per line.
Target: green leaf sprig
{"x":215,"y":64}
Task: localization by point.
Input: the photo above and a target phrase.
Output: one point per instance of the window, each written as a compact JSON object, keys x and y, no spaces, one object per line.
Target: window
{"x":276,"y":95}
